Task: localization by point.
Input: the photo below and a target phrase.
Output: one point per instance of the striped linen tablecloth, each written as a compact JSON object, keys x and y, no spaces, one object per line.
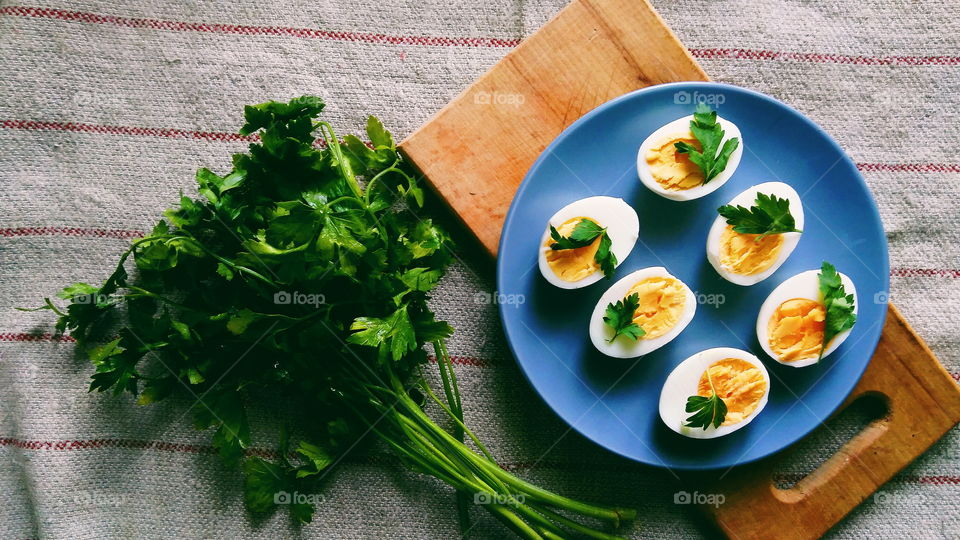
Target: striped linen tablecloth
{"x":108,"y":107}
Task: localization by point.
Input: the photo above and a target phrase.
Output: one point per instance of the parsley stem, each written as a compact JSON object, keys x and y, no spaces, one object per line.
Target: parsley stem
{"x":373,"y":181}
{"x":53,"y":307}
{"x":609,"y":514}
{"x":544,"y":525}
{"x":333,"y":144}
{"x":160,"y":298}
{"x":459,"y":422}
{"x":513,"y":522}
{"x":465,"y":470}
{"x":238,"y":268}
{"x":578,"y":527}
{"x":343,"y":198}
{"x":453,"y":398}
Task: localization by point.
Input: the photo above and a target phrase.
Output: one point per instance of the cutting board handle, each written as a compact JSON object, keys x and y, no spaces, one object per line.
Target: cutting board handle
{"x":922,"y":402}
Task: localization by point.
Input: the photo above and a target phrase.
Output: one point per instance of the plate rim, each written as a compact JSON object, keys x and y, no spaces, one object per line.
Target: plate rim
{"x":665,"y":87}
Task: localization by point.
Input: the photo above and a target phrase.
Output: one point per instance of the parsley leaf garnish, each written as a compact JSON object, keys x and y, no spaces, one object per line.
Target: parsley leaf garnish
{"x":619,"y":316}
{"x":583,"y":234}
{"x":839,"y":305}
{"x":770,"y":215}
{"x":707,"y":131}
{"x":706,"y":411}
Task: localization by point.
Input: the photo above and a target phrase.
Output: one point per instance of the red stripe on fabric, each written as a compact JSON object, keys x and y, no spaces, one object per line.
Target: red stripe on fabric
{"x":80,"y":232}
{"x":824,"y":58}
{"x":12,"y":232}
{"x":96,"y":444}
{"x":26,"y":337}
{"x":169,"y":133}
{"x":925,"y":272}
{"x":250,"y":30}
{"x":372,"y":37}
{"x":466,"y":361}
{"x":223,"y":136}
{"x":910,"y":167}
{"x":470,"y":361}
{"x":941,"y":480}
{"x":138,"y":444}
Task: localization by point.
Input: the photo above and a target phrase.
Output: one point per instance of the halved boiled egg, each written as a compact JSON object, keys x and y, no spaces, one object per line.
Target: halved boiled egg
{"x":671,"y":174}
{"x":790,"y":325}
{"x":579,"y":267}
{"x":737,"y":377}
{"x":665,"y":306}
{"x":747,"y":259}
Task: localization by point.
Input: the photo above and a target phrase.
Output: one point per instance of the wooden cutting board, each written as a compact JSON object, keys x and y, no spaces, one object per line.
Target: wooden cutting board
{"x":474,"y":156}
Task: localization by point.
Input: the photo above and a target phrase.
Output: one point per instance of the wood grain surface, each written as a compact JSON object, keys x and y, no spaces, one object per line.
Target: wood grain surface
{"x":475,"y":155}
{"x":476,"y":150}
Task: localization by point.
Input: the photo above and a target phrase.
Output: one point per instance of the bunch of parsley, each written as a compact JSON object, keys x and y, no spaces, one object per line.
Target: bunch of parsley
{"x":304,"y":273}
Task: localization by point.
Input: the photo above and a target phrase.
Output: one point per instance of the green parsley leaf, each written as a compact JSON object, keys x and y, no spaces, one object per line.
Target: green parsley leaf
{"x":421,"y":279}
{"x":78,"y":290}
{"x":263,"y":480}
{"x":708,"y":132}
{"x":706,"y":411}
{"x":619,"y":316}
{"x":770,"y":215}
{"x":319,"y":459}
{"x":839,"y":305}
{"x":379,"y":137}
{"x":606,"y":258}
{"x":583,"y":234}
{"x":393,"y":335}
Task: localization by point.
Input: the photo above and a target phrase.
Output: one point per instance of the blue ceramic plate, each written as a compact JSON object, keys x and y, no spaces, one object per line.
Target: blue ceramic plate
{"x":615,"y":402}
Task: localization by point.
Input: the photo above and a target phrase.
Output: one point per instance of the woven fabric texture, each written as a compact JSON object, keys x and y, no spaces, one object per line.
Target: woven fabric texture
{"x":108,"y":107}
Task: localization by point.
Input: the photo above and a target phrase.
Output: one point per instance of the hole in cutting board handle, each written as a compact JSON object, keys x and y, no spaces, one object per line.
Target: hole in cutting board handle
{"x":869,"y":415}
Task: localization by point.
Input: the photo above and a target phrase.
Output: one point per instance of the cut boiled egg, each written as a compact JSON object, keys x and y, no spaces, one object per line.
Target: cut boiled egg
{"x":671,"y":174}
{"x":790,"y":325}
{"x":665,"y":307}
{"x":579,"y":267}
{"x":737,"y":377}
{"x":747,"y":259}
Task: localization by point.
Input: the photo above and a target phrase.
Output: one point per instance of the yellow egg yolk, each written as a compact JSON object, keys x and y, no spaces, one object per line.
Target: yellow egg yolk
{"x":795,"y":330}
{"x":661,"y":303}
{"x":573,"y":264}
{"x":739,"y":384}
{"x":671,"y":169}
{"x":748,"y":254}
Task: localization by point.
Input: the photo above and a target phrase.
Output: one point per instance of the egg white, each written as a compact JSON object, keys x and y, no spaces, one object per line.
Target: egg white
{"x":623,"y":346}
{"x":623,"y":228}
{"x":682,"y":125}
{"x":803,"y":285}
{"x":746,"y":199}
{"x":682,"y":383}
